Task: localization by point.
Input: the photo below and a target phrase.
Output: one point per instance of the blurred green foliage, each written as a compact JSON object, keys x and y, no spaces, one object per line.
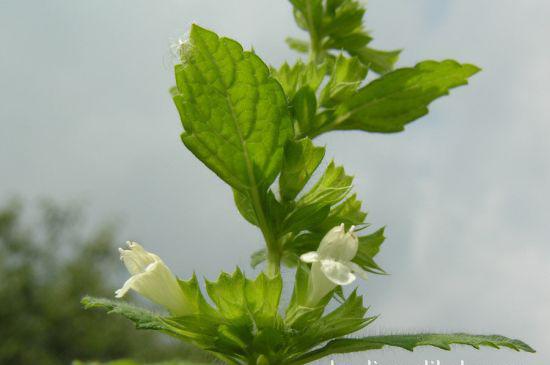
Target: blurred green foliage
{"x":50,"y":259}
{"x":132,"y":362}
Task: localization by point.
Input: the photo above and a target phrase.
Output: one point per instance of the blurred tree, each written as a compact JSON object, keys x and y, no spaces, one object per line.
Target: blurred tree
{"x":45,"y":269}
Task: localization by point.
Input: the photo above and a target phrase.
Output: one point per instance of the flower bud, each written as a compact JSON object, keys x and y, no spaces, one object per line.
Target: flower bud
{"x":152,"y":279}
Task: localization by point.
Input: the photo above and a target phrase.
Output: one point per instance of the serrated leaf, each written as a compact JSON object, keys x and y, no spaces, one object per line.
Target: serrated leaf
{"x":194,"y":298}
{"x":370,"y":244}
{"x":293,"y":78}
{"x":349,"y":42}
{"x":345,"y":17}
{"x":368,"y":248}
{"x":228,"y":294}
{"x":347,"y":74}
{"x":409,"y":342}
{"x":347,"y":318}
{"x":301,"y":159}
{"x":262,"y":297}
{"x":234,"y":113}
{"x":143,"y":319}
{"x":311,"y":12}
{"x":380,"y":62}
{"x":331,"y":188}
{"x":348,"y":212}
{"x":341,"y":29}
{"x":305,"y":216}
{"x":388,"y":103}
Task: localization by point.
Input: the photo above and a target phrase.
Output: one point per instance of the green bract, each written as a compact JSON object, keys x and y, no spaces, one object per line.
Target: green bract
{"x":254,"y":126}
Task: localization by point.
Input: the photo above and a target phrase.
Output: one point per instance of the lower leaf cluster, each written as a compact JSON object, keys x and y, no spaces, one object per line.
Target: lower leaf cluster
{"x":243,"y":324}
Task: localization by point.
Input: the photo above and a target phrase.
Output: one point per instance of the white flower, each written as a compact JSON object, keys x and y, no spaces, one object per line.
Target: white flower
{"x":152,"y":279}
{"x":331,"y":263}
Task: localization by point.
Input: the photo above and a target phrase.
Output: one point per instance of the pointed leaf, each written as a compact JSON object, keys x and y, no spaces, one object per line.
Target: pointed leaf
{"x":348,"y":212}
{"x":409,"y":342}
{"x":262,"y":297}
{"x":331,"y":188}
{"x":229,"y":296}
{"x":234,"y":113}
{"x":347,"y":75}
{"x":298,"y":44}
{"x":388,"y":103}
{"x":345,"y":319}
{"x":304,"y":106}
{"x":245,"y":206}
{"x":380,"y":62}
{"x":293,"y":78}
{"x":301,"y":159}
{"x":370,"y":245}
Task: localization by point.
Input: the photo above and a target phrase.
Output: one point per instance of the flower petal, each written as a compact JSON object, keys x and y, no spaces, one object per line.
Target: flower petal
{"x":339,"y":245}
{"x":357,"y":270}
{"x":337,"y":272}
{"x":310,"y":257}
{"x":152,"y":279}
{"x":126,"y":287}
{"x":136,"y":259}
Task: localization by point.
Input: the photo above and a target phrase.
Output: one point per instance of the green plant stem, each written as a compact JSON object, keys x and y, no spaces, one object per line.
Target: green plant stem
{"x":273,"y":267}
{"x":273,"y":263}
{"x":315,"y":48}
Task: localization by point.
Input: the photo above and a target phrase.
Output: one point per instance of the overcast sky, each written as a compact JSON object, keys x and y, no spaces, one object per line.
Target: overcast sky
{"x":86,"y":116}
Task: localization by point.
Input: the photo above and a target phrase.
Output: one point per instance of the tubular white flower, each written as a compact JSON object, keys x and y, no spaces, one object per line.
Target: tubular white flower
{"x":152,"y":279}
{"x":331,"y":263}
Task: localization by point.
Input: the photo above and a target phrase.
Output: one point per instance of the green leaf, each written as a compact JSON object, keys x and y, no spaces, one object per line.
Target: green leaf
{"x":234,"y":113}
{"x":194,"y":298}
{"x":142,"y":318}
{"x":368,"y":248}
{"x":293,"y":78}
{"x":349,"y":317}
{"x":310,"y":14}
{"x":299,"y":294}
{"x":348,"y":212}
{"x":304,"y":106}
{"x":347,"y":75}
{"x":345,"y":18}
{"x":245,"y":206}
{"x":380,"y":62}
{"x":331,"y":188}
{"x":262,"y":297}
{"x":228,"y":294}
{"x":306,"y":216}
{"x":409,"y":342}
{"x":388,"y":103}
{"x":341,"y":29}
{"x":298,"y":44}
{"x":301,"y":159}
{"x":298,"y":315}
{"x":370,"y":245}
{"x":131,"y":362}
{"x":258,"y":257}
